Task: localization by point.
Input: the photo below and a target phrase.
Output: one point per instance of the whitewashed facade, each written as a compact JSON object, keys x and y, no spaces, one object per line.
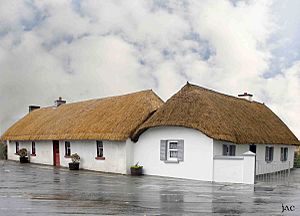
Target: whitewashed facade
{"x":262,"y":166}
{"x":198,"y":156}
{"x":199,"y":161}
{"x":198,"y":153}
{"x":116,"y":158}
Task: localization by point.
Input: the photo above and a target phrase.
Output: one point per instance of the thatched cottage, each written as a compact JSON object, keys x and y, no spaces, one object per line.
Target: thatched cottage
{"x":197,"y":134}
{"x":98,"y":130}
{"x":202,"y":134}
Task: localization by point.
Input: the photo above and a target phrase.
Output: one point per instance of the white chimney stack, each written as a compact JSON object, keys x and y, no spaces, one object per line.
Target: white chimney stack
{"x":246,"y":96}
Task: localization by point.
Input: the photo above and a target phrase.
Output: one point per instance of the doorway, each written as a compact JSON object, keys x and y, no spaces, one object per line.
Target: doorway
{"x":56,"y":159}
{"x":252,"y":148}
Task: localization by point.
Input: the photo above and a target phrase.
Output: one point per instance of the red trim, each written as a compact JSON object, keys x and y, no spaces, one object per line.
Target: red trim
{"x":33,"y":154}
{"x":67,"y":156}
{"x":100,"y":158}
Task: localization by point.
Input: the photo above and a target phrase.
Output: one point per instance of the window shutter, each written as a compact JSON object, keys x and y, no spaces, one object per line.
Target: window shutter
{"x":163,"y":150}
{"x":180,"y":150}
{"x":281,"y":154}
{"x":232,"y":150}
{"x":225,"y":150}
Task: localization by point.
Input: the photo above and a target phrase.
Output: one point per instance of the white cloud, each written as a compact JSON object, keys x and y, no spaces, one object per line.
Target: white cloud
{"x":89,"y":49}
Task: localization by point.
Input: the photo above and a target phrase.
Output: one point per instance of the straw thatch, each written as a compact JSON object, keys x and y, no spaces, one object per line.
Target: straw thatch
{"x":221,"y":117}
{"x":112,"y":118}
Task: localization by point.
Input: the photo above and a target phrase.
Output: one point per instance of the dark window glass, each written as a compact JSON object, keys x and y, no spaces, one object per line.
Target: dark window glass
{"x":284,"y":154}
{"x":269,"y":154}
{"x":229,"y":150}
{"x":67,"y":148}
{"x":17,"y":147}
{"x":33,"y":148}
{"x":99,"y":149}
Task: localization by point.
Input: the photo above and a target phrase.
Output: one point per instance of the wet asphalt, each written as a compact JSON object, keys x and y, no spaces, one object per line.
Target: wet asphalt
{"x":30,"y":189}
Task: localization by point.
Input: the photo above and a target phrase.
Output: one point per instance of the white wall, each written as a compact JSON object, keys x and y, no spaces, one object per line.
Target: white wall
{"x":118,"y":155}
{"x":198,"y":153}
{"x":262,"y":166}
{"x":44,"y":151}
{"x":234,"y":169}
{"x":114,"y":153}
{"x":266,"y":167}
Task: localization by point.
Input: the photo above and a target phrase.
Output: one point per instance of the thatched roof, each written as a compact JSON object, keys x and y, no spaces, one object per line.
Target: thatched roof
{"x":221,"y":117}
{"x":112,"y":118}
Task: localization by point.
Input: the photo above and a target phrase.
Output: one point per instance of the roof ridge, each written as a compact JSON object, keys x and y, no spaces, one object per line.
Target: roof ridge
{"x":103,"y":98}
{"x":219,"y":93}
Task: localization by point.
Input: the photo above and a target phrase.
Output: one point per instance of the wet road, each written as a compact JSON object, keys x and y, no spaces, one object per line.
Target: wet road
{"x":44,"y":190}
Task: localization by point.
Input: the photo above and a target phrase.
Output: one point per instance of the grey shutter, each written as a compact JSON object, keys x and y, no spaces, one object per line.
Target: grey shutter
{"x":281,"y":154}
{"x":232,"y":150}
{"x":163,"y":150}
{"x":225,"y":150}
{"x":180,"y":147}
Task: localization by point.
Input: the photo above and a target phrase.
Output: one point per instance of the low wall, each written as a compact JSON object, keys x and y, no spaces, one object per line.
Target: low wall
{"x":234,"y":169}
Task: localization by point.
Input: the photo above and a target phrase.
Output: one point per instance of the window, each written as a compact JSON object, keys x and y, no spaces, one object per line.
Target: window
{"x":269,"y":154}
{"x":229,"y":150}
{"x":33,"y":148}
{"x":67,"y":148}
{"x":99,"y":149}
{"x":284,"y":154}
{"x":17,"y":147}
{"x":172,"y":150}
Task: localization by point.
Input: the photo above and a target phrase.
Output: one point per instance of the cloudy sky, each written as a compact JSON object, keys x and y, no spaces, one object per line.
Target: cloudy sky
{"x":90,"y":49}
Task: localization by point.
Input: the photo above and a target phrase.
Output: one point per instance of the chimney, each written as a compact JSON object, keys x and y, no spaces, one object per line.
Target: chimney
{"x":59,"y":102}
{"x":246,"y":96}
{"x":33,"y":107}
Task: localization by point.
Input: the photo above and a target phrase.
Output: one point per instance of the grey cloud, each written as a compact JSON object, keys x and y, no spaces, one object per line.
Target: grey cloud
{"x":90,"y":49}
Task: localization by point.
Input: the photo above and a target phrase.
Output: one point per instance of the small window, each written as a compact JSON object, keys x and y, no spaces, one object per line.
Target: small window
{"x":284,"y":154}
{"x":17,"y":147}
{"x":269,"y":154}
{"x":33,"y":148}
{"x":99,"y":149}
{"x":172,"y":150}
{"x":229,"y":150}
{"x":67,"y":148}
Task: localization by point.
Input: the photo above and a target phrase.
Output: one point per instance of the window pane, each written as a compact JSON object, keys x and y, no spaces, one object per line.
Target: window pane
{"x":271,"y":151}
{"x":17,"y":147}
{"x":173,"y":154}
{"x":67,"y":148}
{"x":267,"y":154}
{"x":285,"y":154}
{"x":99,"y":143}
{"x":99,"y":149}
{"x":33,"y":148}
{"x":173,"y":145}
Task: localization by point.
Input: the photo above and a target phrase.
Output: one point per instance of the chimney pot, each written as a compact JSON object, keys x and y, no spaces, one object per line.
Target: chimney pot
{"x":246,"y":96}
{"x":33,"y":107}
{"x":59,"y":102}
